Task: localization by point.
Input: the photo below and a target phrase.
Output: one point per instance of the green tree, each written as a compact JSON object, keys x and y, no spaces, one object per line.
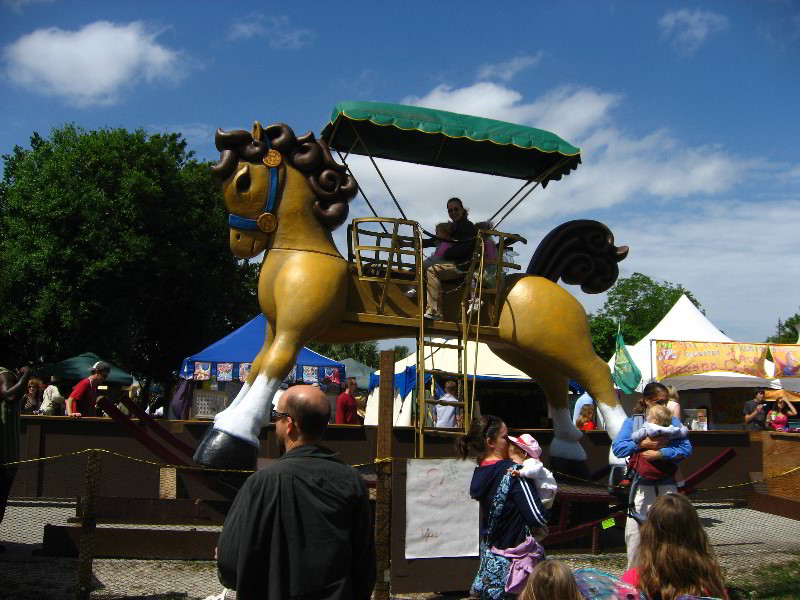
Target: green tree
{"x":365,"y":352}
{"x":785,"y":332}
{"x":116,"y":242}
{"x":400,"y":352}
{"x":638,"y":302}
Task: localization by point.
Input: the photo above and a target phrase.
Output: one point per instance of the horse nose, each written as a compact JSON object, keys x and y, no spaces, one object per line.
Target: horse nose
{"x":238,"y":236}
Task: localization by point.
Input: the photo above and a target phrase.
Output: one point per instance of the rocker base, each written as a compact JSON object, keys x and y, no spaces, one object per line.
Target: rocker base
{"x":567,"y":466}
{"x":220,"y":450}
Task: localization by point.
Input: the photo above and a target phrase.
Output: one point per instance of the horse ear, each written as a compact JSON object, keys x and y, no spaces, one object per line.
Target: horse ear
{"x":257,"y":131}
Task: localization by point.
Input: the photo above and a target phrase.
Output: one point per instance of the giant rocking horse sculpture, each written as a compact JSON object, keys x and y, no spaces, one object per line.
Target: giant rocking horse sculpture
{"x":285,"y":194}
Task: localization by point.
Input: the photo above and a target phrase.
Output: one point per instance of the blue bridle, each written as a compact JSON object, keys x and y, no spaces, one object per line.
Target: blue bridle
{"x":272,"y":195}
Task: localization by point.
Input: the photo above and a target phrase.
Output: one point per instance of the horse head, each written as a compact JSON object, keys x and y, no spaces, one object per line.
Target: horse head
{"x":253,"y":171}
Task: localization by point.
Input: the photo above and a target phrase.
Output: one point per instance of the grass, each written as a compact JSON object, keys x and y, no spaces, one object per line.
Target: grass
{"x":773,"y":582}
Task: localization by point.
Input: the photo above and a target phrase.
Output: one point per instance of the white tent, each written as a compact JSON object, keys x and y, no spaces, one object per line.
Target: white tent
{"x":684,"y":322}
{"x":445,"y":359}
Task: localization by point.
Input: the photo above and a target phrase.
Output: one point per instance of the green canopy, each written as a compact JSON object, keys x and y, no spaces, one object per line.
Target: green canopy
{"x":445,"y":139}
{"x":79,"y":367}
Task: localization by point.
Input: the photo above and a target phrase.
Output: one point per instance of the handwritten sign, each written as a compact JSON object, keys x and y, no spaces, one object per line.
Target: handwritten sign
{"x":674,"y":358}
{"x":441,"y":518}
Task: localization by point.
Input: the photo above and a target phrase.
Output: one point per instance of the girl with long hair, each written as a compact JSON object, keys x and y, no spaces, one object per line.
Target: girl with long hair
{"x":510,"y":507}
{"x":645,"y":491}
{"x":586,"y":418}
{"x":675,"y":556}
{"x":551,"y":579}
{"x":778,"y":417}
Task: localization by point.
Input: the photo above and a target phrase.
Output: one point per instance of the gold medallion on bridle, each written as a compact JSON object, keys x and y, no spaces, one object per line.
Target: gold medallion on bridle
{"x":273,"y":158}
{"x":267,"y":222}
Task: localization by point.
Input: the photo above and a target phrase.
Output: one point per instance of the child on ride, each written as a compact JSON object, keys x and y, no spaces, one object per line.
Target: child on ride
{"x":443,"y":231}
{"x":525,"y":451}
{"x":659,"y":423}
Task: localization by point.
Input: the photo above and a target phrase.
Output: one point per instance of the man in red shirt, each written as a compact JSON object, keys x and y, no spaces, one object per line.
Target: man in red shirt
{"x":83,"y":396}
{"x":346,"y":405}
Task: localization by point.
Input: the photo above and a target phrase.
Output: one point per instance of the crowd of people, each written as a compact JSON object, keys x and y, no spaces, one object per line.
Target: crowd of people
{"x":669,"y":553}
{"x":303,"y":527}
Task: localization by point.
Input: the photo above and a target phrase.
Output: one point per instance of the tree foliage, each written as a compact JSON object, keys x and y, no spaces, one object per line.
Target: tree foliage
{"x":116,"y":242}
{"x":400,"y":352}
{"x":785,"y":332}
{"x":638,"y":303}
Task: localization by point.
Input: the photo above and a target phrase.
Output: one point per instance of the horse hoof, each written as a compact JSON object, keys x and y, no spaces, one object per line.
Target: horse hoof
{"x":220,"y":450}
{"x":567,"y":466}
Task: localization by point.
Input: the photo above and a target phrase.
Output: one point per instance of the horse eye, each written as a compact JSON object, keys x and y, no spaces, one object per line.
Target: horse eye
{"x":243,"y":182}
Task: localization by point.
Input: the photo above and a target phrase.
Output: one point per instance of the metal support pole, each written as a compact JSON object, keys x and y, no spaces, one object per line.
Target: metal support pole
{"x":83,"y":588}
{"x":383,"y":490}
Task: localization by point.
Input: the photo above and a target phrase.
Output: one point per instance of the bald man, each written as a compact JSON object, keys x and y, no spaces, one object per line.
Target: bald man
{"x":302,"y":527}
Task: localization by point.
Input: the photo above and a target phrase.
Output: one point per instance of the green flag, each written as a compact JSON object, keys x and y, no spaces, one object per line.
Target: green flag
{"x":626,"y":374}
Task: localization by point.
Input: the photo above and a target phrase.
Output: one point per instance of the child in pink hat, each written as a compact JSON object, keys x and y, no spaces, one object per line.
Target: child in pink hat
{"x":525,"y":451}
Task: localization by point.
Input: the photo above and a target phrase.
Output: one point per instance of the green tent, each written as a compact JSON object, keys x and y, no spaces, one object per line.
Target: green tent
{"x":79,"y":367}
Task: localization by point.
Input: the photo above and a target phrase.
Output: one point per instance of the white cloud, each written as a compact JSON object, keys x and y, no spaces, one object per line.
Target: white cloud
{"x":506,"y":70}
{"x":278,"y":29}
{"x":93,"y":65}
{"x":687,"y":30}
{"x":568,"y":111}
{"x":17,"y":5}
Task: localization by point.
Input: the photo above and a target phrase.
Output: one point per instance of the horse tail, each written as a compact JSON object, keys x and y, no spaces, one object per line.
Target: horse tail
{"x":581,"y":252}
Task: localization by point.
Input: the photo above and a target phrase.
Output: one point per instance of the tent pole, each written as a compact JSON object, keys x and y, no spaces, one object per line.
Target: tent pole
{"x":374,"y":164}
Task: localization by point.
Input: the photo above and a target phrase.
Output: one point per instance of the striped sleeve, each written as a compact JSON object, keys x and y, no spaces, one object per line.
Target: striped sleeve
{"x":527,"y":500}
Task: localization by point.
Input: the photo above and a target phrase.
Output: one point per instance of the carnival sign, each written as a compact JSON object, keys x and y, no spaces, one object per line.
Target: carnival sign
{"x":678,"y":358}
{"x":786,"y":359}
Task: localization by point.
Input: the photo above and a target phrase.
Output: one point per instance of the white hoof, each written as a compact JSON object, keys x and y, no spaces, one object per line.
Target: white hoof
{"x":569,"y":449}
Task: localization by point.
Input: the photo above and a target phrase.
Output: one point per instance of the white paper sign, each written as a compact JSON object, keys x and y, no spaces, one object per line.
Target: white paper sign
{"x":441,"y":518}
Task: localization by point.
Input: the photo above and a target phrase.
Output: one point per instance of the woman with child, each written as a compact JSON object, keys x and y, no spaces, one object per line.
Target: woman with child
{"x":513,"y":514}
{"x":655,"y":454}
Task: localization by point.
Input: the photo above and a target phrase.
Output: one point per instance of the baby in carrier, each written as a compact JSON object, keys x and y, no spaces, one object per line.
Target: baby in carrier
{"x":659,"y":423}
{"x":525,"y":451}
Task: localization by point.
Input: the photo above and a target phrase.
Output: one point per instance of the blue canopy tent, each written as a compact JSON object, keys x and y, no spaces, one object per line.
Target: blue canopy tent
{"x":242,"y":346}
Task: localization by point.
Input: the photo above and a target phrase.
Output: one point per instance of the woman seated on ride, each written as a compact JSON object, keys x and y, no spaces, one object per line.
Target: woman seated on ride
{"x":511,"y":510}
{"x":778,"y":417}
{"x":672,"y":450}
{"x":455,"y":259}
{"x":675,"y":556}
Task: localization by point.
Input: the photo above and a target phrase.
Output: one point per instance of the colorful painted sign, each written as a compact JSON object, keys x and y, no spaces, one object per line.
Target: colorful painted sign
{"x":332,"y":374}
{"x":786,"y":359}
{"x":202,"y":371}
{"x":244,"y":371}
{"x":224,"y":371}
{"x":678,"y":358}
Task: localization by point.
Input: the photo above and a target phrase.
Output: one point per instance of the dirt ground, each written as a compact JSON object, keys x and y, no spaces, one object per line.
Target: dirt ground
{"x":746,"y":541}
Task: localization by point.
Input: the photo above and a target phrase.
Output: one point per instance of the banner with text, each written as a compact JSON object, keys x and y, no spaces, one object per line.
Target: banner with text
{"x":787,"y":360}
{"x":678,"y":358}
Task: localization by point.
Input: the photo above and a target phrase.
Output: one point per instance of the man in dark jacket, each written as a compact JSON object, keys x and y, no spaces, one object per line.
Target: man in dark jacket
{"x":302,"y":527}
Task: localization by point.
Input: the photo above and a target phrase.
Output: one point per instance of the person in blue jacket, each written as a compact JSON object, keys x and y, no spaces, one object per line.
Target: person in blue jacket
{"x":510,"y":507}
{"x":645,"y":491}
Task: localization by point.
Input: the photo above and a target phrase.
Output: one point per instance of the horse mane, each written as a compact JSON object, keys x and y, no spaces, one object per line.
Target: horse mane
{"x":332,"y":186}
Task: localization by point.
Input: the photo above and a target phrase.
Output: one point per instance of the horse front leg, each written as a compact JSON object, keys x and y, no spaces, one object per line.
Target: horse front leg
{"x":258,"y":361}
{"x":233,"y":441}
